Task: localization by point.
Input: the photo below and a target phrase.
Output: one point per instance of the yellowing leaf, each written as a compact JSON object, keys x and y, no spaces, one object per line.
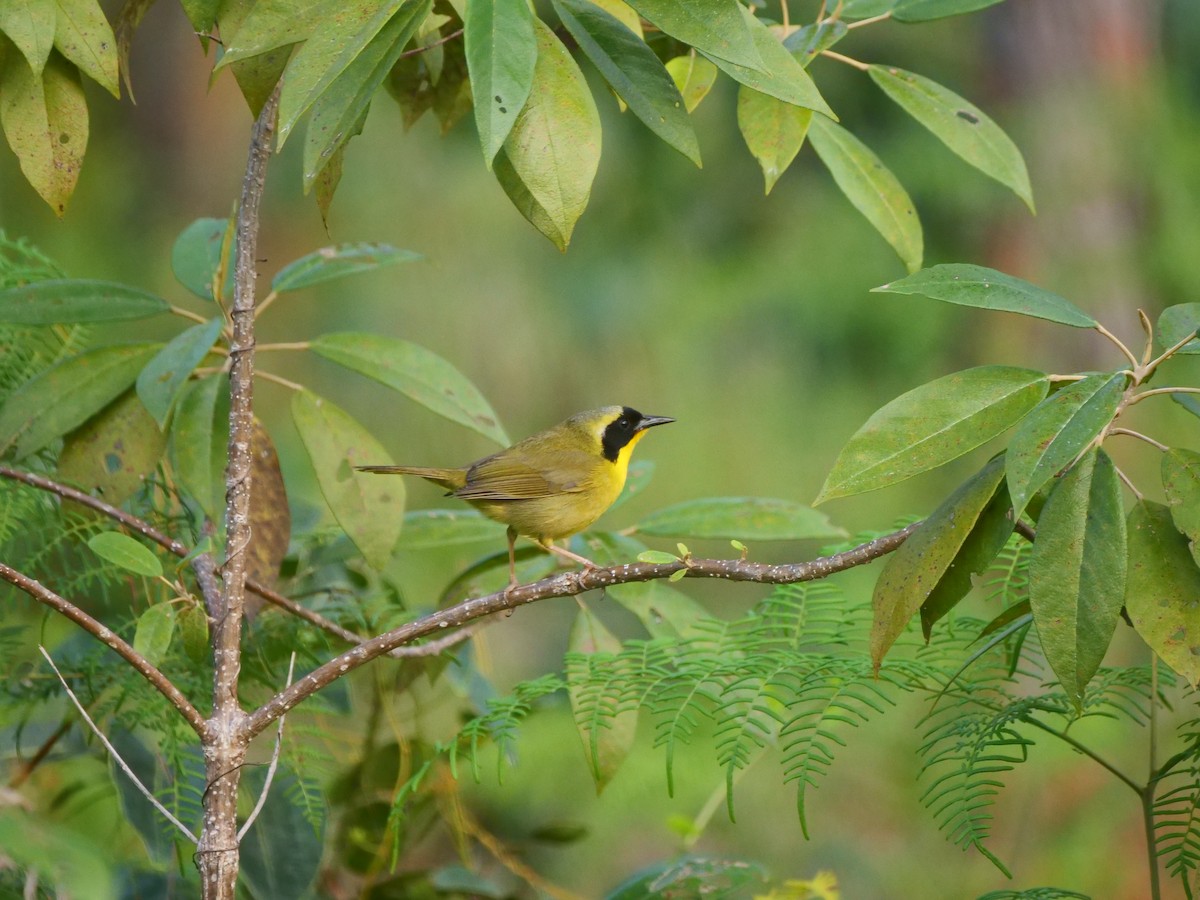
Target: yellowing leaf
{"x":83,"y":35}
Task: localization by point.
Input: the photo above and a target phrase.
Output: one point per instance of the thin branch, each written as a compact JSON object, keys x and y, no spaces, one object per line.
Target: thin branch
{"x":1129,"y":484}
{"x":861,"y":66}
{"x":278,"y":379}
{"x":115,"y":755}
{"x":871,"y":21}
{"x":284,"y":345}
{"x":145,"y":668}
{"x":1142,"y":395}
{"x":188,"y":314}
{"x":21,"y":775}
{"x":426,"y":47}
{"x":566,"y":584}
{"x":1088,"y":752}
{"x":266,"y":301}
{"x":262,"y":797}
{"x":1147,"y":370}
{"x":1128,"y":354}
{"x":1137,"y":434}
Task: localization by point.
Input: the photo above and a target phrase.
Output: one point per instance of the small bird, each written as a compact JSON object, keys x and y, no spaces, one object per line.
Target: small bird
{"x":551,"y":485}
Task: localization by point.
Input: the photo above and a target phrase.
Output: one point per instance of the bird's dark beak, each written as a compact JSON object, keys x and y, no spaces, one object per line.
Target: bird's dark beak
{"x":651,"y":421}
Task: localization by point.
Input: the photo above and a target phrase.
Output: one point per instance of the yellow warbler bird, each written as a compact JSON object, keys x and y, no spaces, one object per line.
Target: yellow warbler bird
{"x":551,"y":485}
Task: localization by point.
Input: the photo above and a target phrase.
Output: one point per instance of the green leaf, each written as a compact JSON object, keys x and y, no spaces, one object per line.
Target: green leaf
{"x":633,"y":71}
{"x":933,"y":424}
{"x":199,"y":442}
{"x":68,"y":394}
{"x":550,"y":157}
{"x":281,"y":853}
{"x":662,"y":610}
{"x":126,"y":552}
{"x":806,"y":43}
{"x":427,"y":528}
{"x":1077,"y":571}
{"x":339,"y":112}
{"x":368,"y":508}
{"x":75,"y":300}
{"x":871,"y":187}
{"x":716,"y":28}
{"x":774,"y":131}
{"x":748,"y":518}
{"x":68,"y":863}
{"x":1181,"y":483}
{"x":927,"y":10}
{"x":111,"y":454}
{"x":783,"y":77}
{"x":257,"y":75}
{"x":196,"y":257}
{"x":982,"y":288}
{"x":1057,"y":431}
{"x":1176,"y":323}
{"x":866,"y":9}
{"x":931,"y":557}
{"x":502,"y":51}
{"x":958,"y":124}
{"x":45,"y":119}
{"x":417,"y":373}
{"x":83,"y":35}
{"x":338,"y":261}
{"x":271,"y":25}
{"x":607,"y":734}
{"x":202,"y":15}
{"x":337,"y":40}
{"x":193,"y":632}
{"x":694,"y":76}
{"x":30,"y":25}
{"x":155,"y":628}
{"x":658,"y":557}
{"x":1162,"y":593}
{"x":1190,"y":402}
{"x":160,"y":382}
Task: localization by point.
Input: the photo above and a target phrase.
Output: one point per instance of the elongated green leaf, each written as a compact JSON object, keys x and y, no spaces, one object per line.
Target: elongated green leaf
{"x":416,"y":372}
{"x":782,"y":76}
{"x":45,"y":119}
{"x":774,"y":131}
{"x":1058,"y":430}
{"x":426,"y":528}
{"x":338,"y":261}
{"x":716,"y":28}
{"x":111,"y":454}
{"x":983,"y":288}
{"x":273,"y":24}
{"x":746,"y":518}
{"x":159,"y":383}
{"x":193,"y":632}
{"x":927,"y":10}
{"x":155,"y":628}
{"x":633,"y":71}
{"x":865,"y":9}
{"x":257,"y":75}
{"x":369,"y":509}
{"x":202,"y":15}
{"x":925,"y":560}
{"x":196,"y":256}
{"x":1176,"y":323}
{"x":501,"y":54}
{"x":199,"y":442}
{"x":871,"y":187}
{"x":694,"y":75}
{"x":607,"y":734}
{"x":339,"y":112}
{"x":958,"y":124}
{"x":932,"y":425}
{"x":1077,"y":571}
{"x":68,"y":394}
{"x":76,"y":300}
{"x":551,"y":155}
{"x":1181,"y":483}
{"x":806,"y":43}
{"x":126,"y":552}
{"x":338,"y":38}
{"x":1162,"y":594}
{"x":83,"y":35}
{"x":30,"y":25}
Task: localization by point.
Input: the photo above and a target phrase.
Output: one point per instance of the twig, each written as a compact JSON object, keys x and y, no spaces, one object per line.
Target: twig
{"x":871,"y":21}
{"x":115,"y":755}
{"x":1128,"y":354}
{"x":861,"y":66}
{"x":1142,"y":395}
{"x":1147,"y":370}
{"x":188,"y":314}
{"x":145,"y":668}
{"x":1129,"y":484}
{"x":26,"y":768}
{"x":1137,"y":434}
{"x":427,"y":47}
{"x":566,"y":584}
{"x":278,"y":379}
{"x":262,"y":797}
{"x":284,"y":345}
{"x":266,"y":301}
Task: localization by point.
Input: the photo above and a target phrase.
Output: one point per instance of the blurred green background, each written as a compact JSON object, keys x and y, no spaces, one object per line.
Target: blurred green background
{"x":749,"y":319}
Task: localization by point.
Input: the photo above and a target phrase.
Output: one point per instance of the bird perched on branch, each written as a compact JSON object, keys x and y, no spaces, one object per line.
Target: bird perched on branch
{"x":551,"y":485}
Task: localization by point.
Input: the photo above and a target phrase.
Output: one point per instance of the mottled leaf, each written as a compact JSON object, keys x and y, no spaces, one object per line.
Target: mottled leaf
{"x":111,"y":454}
{"x":746,"y":518}
{"x":1077,"y":571}
{"x":1181,"y":483}
{"x":1162,"y":593}
{"x":368,"y":508}
{"x":30,"y":25}
{"x":501,"y":52}
{"x":417,"y":373}
{"x":871,"y":187}
{"x":126,"y":552}
{"x":1057,"y":431}
{"x":338,"y":261}
{"x":933,"y":424}
{"x":76,"y":300}
{"x":160,"y":382}
{"x":83,"y":35}
{"x":968,"y":285}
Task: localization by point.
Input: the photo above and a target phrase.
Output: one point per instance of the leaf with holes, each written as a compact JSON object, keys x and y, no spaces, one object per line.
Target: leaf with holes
{"x":111,"y":453}
{"x":501,"y":49}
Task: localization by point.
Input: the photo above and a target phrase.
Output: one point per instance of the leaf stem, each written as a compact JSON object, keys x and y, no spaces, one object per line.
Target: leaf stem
{"x":861,"y":66}
{"x":870,"y":21}
{"x":1125,"y":351}
{"x":1138,"y":398}
{"x":266,"y":301}
{"x":1147,"y":370}
{"x":1089,"y":753}
{"x":1128,"y":483}
{"x":284,"y":345}
{"x":1137,"y":434}
{"x":279,"y":379}
{"x":188,"y":314}
{"x":417,"y":51}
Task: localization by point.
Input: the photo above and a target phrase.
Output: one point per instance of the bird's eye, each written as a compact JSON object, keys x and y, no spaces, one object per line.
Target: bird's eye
{"x":623,"y":423}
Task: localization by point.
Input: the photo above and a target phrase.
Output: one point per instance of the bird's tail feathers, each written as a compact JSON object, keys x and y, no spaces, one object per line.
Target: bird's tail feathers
{"x":447,"y":478}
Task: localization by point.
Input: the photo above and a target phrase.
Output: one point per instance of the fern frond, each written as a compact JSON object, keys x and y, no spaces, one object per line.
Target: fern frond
{"x":500,"y":723}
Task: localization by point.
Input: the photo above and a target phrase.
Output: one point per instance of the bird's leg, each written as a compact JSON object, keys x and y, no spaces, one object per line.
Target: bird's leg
{"x":512,"y":560}
{"x":551,"y":547}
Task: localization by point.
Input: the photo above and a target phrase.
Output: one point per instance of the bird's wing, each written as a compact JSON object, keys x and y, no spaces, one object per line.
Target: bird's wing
{"x":502,"y":477}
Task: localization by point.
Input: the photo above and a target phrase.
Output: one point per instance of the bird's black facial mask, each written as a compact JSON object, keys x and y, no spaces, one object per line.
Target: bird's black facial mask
{"x":620,"y":432}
